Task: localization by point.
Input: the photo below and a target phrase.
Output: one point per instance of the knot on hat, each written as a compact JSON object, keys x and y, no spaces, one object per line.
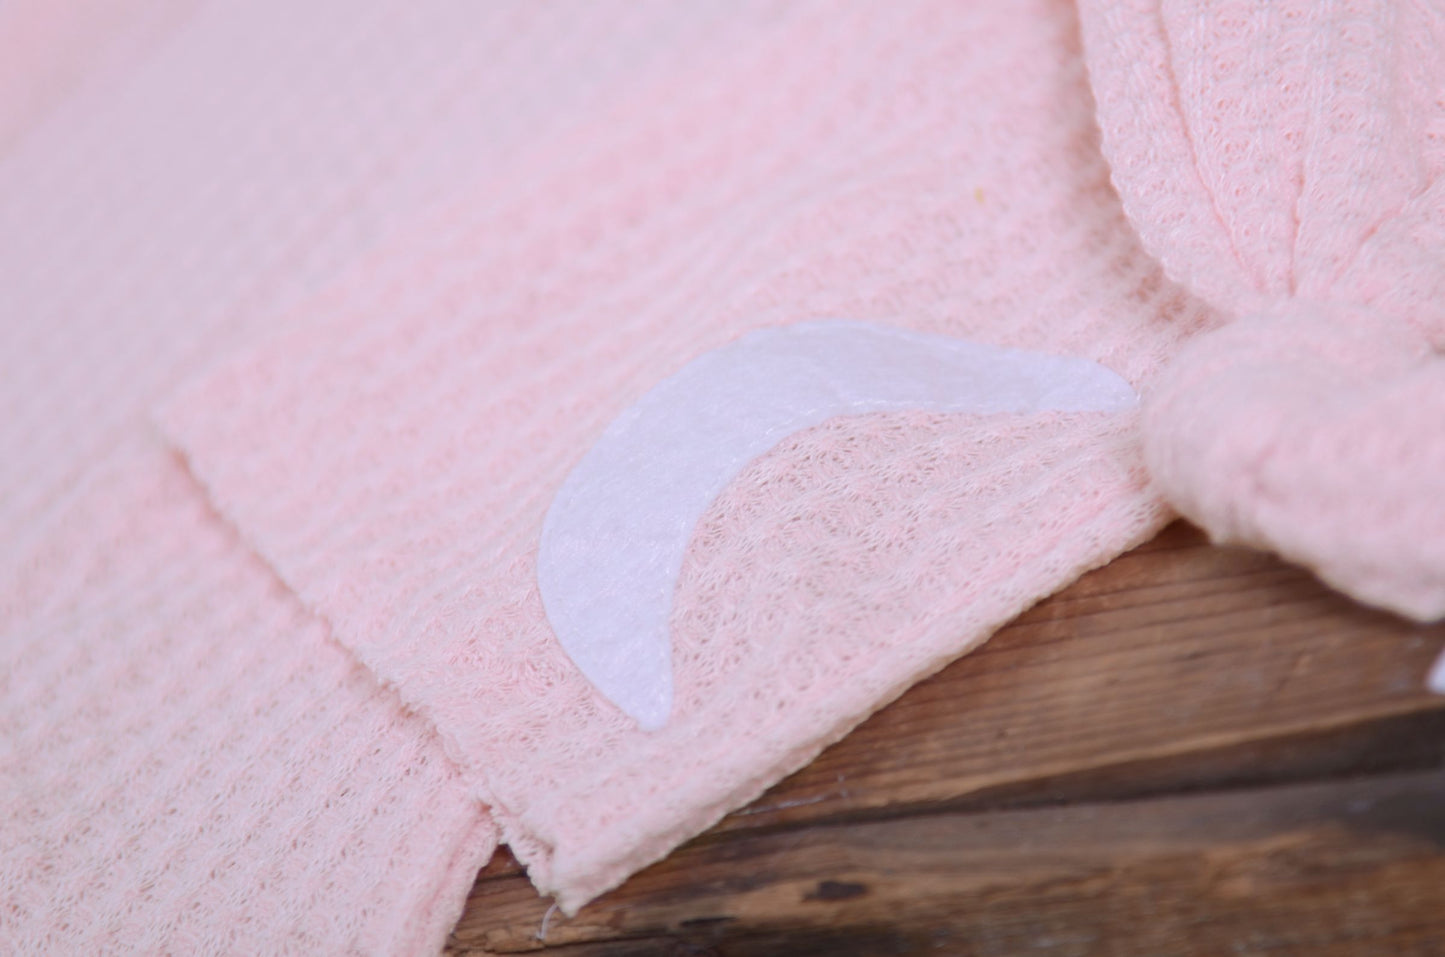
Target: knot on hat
{"x":1319,"y":433}
{"x":1286,"y":163}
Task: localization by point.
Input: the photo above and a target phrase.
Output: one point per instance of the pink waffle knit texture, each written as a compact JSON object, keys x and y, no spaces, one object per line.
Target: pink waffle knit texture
{"x":189,"y":762}
{"x":393,"y":454}
{"x":1284,"y":160}
{"x":308,"y":310}
{"x":191,"y":766}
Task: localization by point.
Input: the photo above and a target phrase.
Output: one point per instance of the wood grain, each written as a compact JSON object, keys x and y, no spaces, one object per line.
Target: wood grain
{"x":1180,"y":669}
{"x":1343,"y":867}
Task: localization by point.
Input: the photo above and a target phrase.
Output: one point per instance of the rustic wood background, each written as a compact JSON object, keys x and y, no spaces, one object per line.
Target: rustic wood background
{"x":1194,"y":750}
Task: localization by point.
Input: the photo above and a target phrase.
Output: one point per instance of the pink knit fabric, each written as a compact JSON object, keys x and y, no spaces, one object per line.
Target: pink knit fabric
{"x":309,"y":309}
{"x":394,"y":454}
{"x":189,"y":763}
{"x":1285,"y":161}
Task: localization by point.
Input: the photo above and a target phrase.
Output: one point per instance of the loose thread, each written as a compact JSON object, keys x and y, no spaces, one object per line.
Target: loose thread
{"x":546,"y":919}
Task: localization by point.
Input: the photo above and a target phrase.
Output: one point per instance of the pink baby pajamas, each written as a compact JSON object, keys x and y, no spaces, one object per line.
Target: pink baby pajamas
{"x":436,"y":424}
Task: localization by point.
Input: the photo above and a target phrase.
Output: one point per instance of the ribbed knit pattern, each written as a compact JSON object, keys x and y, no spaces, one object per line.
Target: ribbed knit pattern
{"x":393,"y":456}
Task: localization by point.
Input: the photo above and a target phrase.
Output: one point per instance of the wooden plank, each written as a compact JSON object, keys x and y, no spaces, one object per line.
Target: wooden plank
{"x":1343,"y":867}
{"x":1175,"y":650}
{"x":1178,"y":667}
{"x":1403,"y":742}
{"x":1177,"y":664}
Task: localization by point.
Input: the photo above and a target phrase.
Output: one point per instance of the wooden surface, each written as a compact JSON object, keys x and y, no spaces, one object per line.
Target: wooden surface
{"x":1192,"y":751}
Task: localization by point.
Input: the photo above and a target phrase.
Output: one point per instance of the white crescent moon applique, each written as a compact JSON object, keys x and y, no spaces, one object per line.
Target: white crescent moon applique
{"x":614,"y":537}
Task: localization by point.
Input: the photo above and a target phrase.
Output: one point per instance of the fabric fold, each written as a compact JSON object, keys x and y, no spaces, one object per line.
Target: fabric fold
{"x":188,"y":763}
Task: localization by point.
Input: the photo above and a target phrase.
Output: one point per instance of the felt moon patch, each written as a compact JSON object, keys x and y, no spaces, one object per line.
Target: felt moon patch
{"x":614,"y":537}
